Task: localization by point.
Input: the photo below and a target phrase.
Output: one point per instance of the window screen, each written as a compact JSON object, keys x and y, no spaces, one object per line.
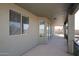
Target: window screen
{"x":25,"y":24}
{"x":15,"y":21}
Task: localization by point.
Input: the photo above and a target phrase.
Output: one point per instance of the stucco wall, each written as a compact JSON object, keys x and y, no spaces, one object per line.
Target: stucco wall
{"x":17,"y":44}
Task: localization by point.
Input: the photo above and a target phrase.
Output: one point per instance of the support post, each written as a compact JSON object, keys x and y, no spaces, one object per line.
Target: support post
{"x":70,"y":33}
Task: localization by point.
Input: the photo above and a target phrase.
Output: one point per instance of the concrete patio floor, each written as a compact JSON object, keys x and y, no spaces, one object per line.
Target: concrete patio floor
{"x":55,"y":47}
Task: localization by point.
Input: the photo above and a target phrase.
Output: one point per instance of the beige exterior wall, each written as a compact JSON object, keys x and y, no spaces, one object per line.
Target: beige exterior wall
{"x":17,"y":44}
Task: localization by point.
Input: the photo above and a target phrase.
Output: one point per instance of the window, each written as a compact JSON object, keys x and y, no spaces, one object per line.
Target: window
{"x":48,"y":30}
{"x":15,"y":23}
{"x":42,"y":27}
{"x":25,"y":24}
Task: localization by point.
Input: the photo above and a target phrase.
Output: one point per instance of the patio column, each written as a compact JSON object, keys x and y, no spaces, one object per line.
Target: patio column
{"x":64,"y":28}
{"x":70,"y":33}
